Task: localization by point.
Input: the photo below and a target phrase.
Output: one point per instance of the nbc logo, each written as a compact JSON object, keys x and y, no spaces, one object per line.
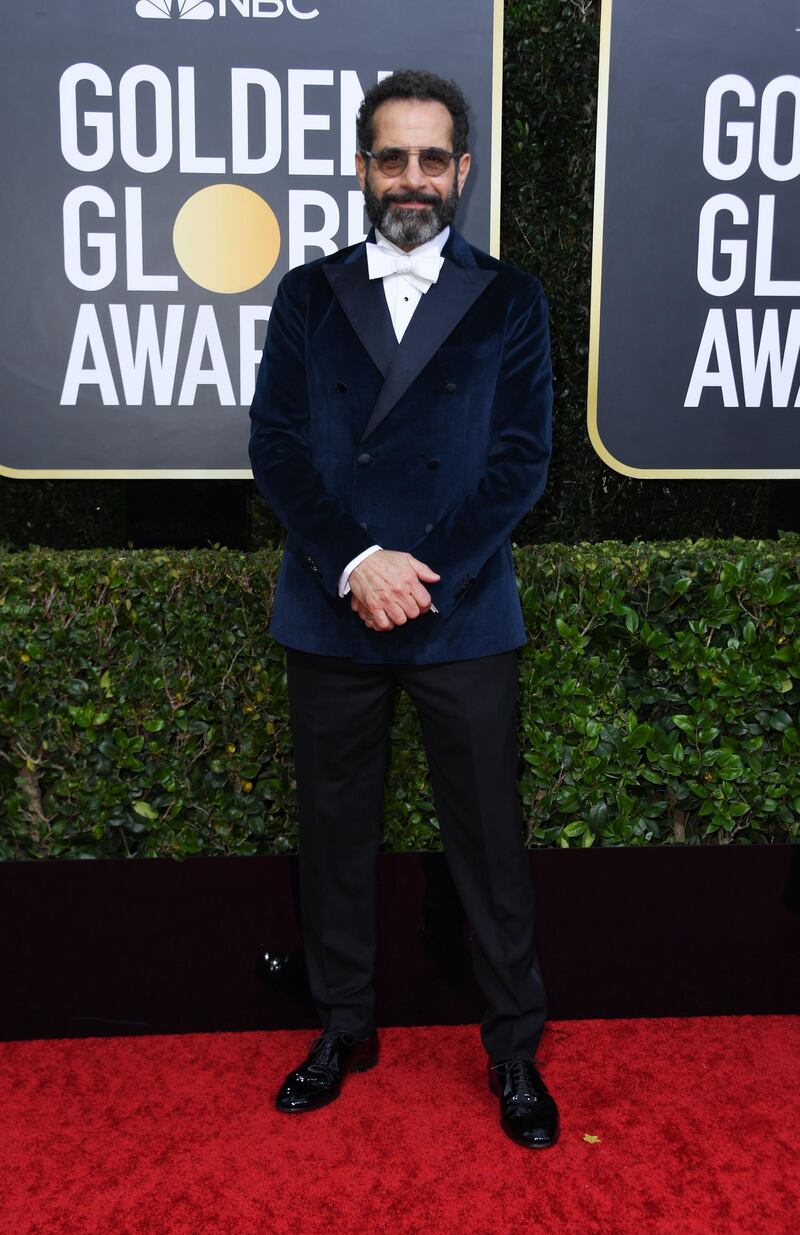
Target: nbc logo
{"x":192,"y":10}
{"x":202,"y":10}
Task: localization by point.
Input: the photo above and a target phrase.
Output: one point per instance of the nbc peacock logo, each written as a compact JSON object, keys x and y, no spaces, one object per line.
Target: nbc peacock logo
{"x":184,"y":10}
{"x":202,"y":10}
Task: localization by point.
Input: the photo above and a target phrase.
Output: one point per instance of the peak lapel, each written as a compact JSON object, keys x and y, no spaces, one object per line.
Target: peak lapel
{"x":438,"y":313}
{"x":364,"y":303}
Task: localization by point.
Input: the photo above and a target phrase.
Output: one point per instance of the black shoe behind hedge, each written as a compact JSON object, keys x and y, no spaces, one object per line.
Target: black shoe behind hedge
{"x":320,"y":1076}
{"x":528,"y":1112}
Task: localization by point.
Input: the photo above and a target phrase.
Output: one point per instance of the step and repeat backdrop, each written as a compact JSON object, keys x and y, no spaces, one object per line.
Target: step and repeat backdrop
{"x":165,"y":163}
{"x":696,"y":265}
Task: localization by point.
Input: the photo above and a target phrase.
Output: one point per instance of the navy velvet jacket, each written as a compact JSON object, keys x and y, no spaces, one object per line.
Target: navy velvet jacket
{"x":437,"y":445}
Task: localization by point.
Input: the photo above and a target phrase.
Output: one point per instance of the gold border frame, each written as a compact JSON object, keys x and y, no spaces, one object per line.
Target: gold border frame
{"x":497,"y":128}
{"x":594,"y":331}
{"x":246,"y":473}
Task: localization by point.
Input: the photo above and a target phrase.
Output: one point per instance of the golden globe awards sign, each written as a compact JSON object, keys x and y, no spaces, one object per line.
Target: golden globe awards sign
{"x":695,"y":351}
{"x":165,"y":163}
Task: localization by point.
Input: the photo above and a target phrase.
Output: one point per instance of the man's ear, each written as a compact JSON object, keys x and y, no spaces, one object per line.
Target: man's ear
{"x":361,"y":168}
{"x":463,"y":170}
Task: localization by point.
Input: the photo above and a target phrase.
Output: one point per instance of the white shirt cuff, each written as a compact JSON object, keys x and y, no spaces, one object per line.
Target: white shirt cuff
{"x":344,"y":586}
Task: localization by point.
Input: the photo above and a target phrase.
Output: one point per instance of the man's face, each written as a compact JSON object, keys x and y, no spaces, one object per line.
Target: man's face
{"x":411,"y":208}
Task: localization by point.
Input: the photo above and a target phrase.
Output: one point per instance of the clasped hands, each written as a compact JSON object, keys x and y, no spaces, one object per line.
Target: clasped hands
{"x":386,"y":589}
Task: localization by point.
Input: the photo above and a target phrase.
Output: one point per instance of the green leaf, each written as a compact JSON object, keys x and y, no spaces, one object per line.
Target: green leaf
{"x":145,"y":810}
{"x":598,"y":815}
{"x":640,"y":737}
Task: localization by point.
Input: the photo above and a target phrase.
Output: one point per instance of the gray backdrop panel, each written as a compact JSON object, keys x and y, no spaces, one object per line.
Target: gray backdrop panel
{"x":39,"y":306}
{"x":653,"y":310}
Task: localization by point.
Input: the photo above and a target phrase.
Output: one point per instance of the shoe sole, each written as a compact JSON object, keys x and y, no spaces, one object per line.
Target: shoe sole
{"x":365,"y":1066}
{"x":530,"y":1144}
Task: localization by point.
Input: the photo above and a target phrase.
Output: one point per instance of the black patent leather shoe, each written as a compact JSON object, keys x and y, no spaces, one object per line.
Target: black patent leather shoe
{"x":528,"y":1112}
{"x":320,"y":1076}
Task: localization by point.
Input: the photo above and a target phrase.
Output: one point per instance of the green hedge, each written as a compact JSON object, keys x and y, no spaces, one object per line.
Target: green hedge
{"x":143,"y":706}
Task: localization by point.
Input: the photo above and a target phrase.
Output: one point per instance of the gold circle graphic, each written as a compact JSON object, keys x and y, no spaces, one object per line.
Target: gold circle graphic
{"x":226,"y":238}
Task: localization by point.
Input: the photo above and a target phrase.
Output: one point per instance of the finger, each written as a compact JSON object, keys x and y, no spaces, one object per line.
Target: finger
{"x":410,"y":607}
{"x":379,"y":629}
{"x":422,"y":597}
{"x":382,"y":620}
{"x":395,"y":612}
{"x":423,"y":571}
{"x":368,"y":619}
{"x":402,"y":600}
{"x":411,"y":602}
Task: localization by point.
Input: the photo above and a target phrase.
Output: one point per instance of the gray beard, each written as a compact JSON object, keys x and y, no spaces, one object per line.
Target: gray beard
{"x":409,"y":228}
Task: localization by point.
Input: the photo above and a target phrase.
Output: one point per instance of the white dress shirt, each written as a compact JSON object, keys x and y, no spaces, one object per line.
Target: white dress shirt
{"x":402,"y":297}
{"x":402,"y":293}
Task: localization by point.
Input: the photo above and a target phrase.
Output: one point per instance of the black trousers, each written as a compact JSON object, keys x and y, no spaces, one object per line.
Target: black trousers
{"x":341,"y":716}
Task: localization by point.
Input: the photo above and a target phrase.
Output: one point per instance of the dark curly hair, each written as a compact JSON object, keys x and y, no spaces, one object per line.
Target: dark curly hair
{"x":413,"y":84}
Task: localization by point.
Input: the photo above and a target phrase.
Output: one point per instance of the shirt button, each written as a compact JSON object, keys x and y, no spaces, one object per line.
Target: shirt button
{"x":428,"y":528}
{"x":449,"y":388}
{"x":364,"y":458}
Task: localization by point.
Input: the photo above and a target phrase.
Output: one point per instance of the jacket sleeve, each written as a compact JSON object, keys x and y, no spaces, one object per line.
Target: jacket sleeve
{"x":516,"y":464}
{"x":280,"y":453}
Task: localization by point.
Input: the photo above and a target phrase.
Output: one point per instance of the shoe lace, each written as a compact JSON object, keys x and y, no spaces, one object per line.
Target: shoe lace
{"x":321,"y":1052}
{"x":522,"y":1079}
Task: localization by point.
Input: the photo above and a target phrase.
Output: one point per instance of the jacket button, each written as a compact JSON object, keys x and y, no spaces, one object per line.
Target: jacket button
{"x":449,"y":388}
{"x":364,"y":458}
{"x":342,"y":387}
{"x":428,"y":528}
{"x":364,"y":526}
{"x":434,"y":463}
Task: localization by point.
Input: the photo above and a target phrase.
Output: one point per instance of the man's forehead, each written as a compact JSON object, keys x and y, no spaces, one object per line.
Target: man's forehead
{"x":412,"y":122}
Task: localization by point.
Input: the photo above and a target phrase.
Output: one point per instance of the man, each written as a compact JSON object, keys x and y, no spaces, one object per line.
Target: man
{"x":400,"y":430}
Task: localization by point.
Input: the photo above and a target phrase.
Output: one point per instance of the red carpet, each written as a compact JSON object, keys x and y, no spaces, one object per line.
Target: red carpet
{"x":697,"y":1120}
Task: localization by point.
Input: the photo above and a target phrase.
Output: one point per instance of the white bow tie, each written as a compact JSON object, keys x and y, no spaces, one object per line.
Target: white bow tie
{"x":420,"y":269}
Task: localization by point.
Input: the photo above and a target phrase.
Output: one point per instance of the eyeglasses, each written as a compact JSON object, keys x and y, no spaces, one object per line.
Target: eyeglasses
{"x":394,"y":160}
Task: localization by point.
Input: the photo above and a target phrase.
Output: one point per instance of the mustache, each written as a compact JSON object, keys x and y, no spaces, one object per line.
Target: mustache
{"x":430,"y":199}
